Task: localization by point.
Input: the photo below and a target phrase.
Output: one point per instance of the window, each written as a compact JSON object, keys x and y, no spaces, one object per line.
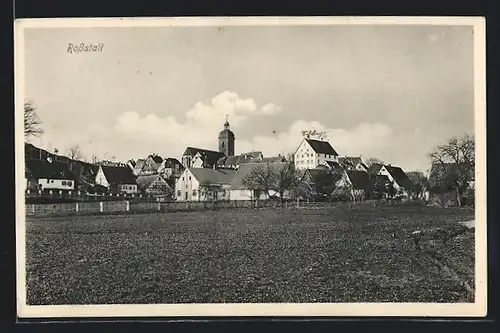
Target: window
{"x":194,"y":192}
{"x":182,"y":178}
{"x":189,"y":177}
{"x":318,"y":154}
{"x":52,"y":181}
{"x":70,"y":184}
{"x":179,"y":193}
{"x":63,"y":183}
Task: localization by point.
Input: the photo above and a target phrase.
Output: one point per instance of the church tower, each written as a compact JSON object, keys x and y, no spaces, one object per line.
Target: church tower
{"x":226,"y":140}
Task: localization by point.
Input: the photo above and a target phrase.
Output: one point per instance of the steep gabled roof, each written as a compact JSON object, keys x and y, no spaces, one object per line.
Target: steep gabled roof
{"x":334,"y":165}
{"x":321,"y":147}
{"x":41,"y":169}
{"x":212,"y":176}
{"x":250,"y":157}
{"x":156,"y":158}
{"x":352,"y":161}
{"x":360,"y":180}
{"x":144,"y":182}
{"x":171,"y":162}
{"x":399,"y":176}
{"x":118,"y":175}
{"x":139,"y":164}
{"x":210,"y":157}
{"x":374,"y":168}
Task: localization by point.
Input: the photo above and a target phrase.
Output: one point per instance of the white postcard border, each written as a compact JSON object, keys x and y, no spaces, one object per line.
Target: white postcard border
{"x":477,"y":309}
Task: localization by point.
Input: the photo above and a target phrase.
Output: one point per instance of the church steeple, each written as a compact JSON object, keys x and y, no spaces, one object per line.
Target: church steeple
{"x":226,"y":140}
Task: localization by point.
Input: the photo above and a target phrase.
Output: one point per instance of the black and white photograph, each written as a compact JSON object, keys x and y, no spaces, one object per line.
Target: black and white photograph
{"x":251,"y":166}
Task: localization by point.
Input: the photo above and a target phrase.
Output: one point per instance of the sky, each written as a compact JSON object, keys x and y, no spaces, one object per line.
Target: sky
{"x":390,"y":92}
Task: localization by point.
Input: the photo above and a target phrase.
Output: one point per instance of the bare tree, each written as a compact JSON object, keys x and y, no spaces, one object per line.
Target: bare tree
{"x":259,"y":180}
{"x":419,"y":181}
{"x":286,"y":179}
{"x":31,"y":121}
{"x":453,"y":165}
{"x":94,"y":159}
{"x":75,"y":153}
{"x":373,"y":160}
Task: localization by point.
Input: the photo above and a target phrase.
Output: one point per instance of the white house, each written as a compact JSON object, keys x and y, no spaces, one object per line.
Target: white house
{"x":49,"y":175}
{"x":116,"y":179}
{"x":204,"y":184}
{"x":398,"y":178}
{"x":312,"y":153}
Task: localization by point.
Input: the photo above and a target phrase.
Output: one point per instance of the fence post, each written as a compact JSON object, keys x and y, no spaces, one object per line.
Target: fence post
{"x":159,"y":207}
{"x":101,"y":206}
{"x":297,"y":202}
{"x":128,"y":206}
{"x":33,"y":208}
{"x":77,"y":208}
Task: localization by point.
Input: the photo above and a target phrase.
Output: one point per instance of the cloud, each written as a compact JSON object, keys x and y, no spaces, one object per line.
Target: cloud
{"x":364,"y":139}
{"x":133,"y":136}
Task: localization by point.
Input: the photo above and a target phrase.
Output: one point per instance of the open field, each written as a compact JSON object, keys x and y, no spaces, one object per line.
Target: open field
{"x":358,"y":254}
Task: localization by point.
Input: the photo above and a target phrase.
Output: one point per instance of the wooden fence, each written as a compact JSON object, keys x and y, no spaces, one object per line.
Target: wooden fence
{"x":123,"y":207}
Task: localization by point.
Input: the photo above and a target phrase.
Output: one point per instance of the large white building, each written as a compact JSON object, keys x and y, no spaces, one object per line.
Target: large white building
{"x":203,"y":184}
{"x":312,"y":153}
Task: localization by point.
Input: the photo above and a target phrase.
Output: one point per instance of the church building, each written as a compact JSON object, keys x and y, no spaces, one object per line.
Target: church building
{"x":205,"y":158}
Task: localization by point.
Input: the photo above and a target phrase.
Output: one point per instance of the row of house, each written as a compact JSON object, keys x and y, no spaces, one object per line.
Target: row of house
{"x":204,"y":174}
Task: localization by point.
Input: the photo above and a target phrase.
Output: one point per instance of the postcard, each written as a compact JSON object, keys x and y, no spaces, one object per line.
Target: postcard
{"x":251,"y":166}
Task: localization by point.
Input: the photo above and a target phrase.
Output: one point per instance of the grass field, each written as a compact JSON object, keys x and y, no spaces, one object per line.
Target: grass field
{"x":360,"y":254}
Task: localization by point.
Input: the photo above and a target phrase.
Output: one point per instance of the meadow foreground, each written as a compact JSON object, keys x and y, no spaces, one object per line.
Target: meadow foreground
{"x":358,"y":254}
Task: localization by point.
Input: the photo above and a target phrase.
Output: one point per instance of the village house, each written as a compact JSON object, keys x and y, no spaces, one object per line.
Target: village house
{"x":397,"y":177}
{"x":204,"y":184}
{"x":353,"y":163}
{"x":331,"y":165}
{"x":200,"y":158}
{"x":137,"y":166}
{"x":154,"y":185}
{"x":312,"y":153}
{"x":233,"y":162}
{"x":356,"y":183}
{"x":131,"y":164}
{"x":48,"y":175}
{"x":170,"y":167}
{"x":117,"y":179}
{"x":239,"y":190}
{"x":148,"y":166}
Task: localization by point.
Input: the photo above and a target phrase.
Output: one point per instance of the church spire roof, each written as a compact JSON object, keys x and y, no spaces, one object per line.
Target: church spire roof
{"x":226,"y":124}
